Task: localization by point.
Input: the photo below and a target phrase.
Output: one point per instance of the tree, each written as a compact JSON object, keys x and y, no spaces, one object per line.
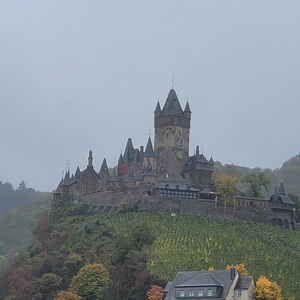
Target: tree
{"x":240,"y":267}
{"x":22,"y":187}
{"x":67,"y":296}
{"x":226,"y":185}
{"x":155,"y":293}
{"x":267,"y":289}
{"x":256,"y":182}
{"x":90,"y":282}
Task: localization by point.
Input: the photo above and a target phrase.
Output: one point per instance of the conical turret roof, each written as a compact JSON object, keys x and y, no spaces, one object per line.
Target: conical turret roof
{"x":149,"y":153}
{"x":172,"y":105}
{"x":281,"y":189}
{"x":187,"y":107}
{"x":104,"y":168}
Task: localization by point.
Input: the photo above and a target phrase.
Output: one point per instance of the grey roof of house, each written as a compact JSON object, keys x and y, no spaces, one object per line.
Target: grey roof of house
{"x":172,"y":105}
{"x":201,"y":279}
{"x":244,"y":282}
{"x":149,"y":153}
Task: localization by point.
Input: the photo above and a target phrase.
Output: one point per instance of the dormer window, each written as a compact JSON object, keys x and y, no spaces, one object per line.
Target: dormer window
{"x":181,"y":294}
{"x":209,"y":293}
{"x":200,"y":293}
{"x":191,"y":293}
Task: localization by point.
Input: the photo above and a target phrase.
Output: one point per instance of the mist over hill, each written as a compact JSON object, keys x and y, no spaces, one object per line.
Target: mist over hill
{"x":289,"y":174}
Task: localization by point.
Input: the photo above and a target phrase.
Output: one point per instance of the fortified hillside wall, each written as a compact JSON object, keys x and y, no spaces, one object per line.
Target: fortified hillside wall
{"x":145,"y":203}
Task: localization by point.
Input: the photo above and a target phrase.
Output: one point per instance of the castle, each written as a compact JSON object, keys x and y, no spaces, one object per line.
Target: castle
{"x":166,"y":165}
{"x":164,"y":178}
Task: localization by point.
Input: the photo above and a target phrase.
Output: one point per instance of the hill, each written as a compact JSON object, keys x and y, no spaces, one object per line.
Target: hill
{"x":289,"y":173}
{"x":16,"y":227}
{"x":138,"y":249}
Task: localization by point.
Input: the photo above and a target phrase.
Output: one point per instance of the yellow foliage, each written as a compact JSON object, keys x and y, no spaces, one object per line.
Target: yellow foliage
{"x":67,"y":296}
{"x":240,"y":267}
{"x":210,"y":268}
{"x":267,"y":289}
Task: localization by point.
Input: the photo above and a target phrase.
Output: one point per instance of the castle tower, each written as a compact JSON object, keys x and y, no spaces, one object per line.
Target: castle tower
{"x":172,"y":131}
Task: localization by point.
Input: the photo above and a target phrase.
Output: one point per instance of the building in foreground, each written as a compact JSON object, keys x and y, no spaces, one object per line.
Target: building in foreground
{"x":213,"y":285}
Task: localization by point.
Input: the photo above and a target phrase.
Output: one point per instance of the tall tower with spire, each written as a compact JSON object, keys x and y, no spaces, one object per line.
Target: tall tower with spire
{"x":172,"y":133}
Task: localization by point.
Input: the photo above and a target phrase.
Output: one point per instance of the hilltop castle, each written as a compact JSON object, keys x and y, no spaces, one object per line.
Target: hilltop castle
{"x":166,"y":169}
{"x":166,"y":179}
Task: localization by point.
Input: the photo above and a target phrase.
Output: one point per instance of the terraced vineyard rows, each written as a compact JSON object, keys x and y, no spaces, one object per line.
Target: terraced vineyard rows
{"x":197,"y":243}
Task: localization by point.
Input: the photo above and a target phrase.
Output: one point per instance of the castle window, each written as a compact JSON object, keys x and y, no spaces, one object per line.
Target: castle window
{"x":181,"y":293}
{"x":191,"y":293}
{"x":239,"y":293}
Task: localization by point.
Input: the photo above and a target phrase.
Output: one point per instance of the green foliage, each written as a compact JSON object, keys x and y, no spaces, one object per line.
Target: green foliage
{"x":296,"y":200}
{"x":22,"y":196}
{"x":67,"y":296}
{"x":91,"y":282}
{"x":128,"y":243}
{"x":16,"y":227}
{"x":226,"y":186}
{"x":256,"y":182}
{"x":66,"y":207}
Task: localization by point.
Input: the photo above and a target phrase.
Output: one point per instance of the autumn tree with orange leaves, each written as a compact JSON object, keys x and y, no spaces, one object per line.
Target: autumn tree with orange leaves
{"x":240,"y":267}
{"x":267,"y":289}
{"x":155,"y":293}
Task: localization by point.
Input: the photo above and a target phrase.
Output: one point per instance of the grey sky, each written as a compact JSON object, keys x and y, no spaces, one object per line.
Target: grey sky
{"x":81,"y":75}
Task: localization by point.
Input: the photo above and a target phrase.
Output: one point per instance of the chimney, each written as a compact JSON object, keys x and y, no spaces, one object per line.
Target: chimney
{"x":232,"y":273}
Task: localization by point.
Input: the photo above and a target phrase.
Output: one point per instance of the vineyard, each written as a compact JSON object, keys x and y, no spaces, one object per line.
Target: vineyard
{"x":196,"y":243}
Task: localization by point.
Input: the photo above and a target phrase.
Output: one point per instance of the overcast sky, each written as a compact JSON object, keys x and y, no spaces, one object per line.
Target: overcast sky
{"x":80,"y":75}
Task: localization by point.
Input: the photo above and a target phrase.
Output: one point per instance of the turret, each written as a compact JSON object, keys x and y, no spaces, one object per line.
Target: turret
{"x":90,"y":159}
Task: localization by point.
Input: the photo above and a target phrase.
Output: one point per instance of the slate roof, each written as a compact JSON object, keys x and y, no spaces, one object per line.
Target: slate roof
{"x":157,"y":108}
{"x":149,"y":153}
{"x":148,"y":171}
{"x":187,"y":107}
{"x":202,"y":279}
{"x":244,"y":282}
{"x":103,"y":168}
{"x":78,"y":172}
{"x":281,"y":189}
{"x":281,"y":196}
{"x":172,"y":105}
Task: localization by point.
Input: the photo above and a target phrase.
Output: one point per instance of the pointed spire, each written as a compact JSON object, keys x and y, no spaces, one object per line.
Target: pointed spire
{"x":281,"y":189}
{"x":187,"y":107}
{"x":77,"y":173}
{"x":128,"y":149}
{"x":172,"y":105}
{"x":90,"y":159}
{"x":149,"y":153}
{"x":104,"y":168}
{"x":157,"y":108}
